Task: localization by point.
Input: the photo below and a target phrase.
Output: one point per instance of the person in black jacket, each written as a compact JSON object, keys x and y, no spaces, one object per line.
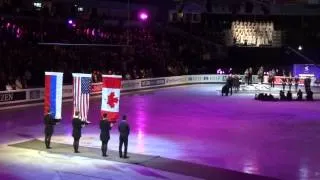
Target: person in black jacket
{"x":77,"y":125}
{"x":49,"y":123}
{"x":105,"y":128}
{"x":290,"y":81}
{"x":296,"y":83}
{"x":230,"y":83}
{"x":236,"y":83}
{"x":299,"y":95}
{"x":307,"y":84}
{"x":124,"y":130}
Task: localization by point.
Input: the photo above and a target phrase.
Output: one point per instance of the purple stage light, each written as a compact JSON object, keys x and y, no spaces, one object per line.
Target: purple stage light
{"x":143,"y":16}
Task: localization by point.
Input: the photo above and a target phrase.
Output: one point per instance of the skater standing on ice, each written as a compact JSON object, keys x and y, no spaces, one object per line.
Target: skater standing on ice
{"x":124,"y":131}
{"x":105,"y":128}
{"x":77,"y":125}
{"x":49,"y":128}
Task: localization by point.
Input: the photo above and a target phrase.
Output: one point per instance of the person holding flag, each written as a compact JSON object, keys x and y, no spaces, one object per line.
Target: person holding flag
{"x":49,"y":128}
{"x":111,"y":97}
{"x":81,"y":97}
{"x":52,"y":103}
{"x":77,"y":125}
{"x":105,"y":127}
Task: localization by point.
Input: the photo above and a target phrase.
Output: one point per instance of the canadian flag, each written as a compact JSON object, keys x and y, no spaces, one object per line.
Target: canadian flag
{"x":111,"y":96}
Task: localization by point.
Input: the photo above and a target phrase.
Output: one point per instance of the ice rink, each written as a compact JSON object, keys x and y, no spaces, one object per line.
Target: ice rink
{"x":188,"y":123}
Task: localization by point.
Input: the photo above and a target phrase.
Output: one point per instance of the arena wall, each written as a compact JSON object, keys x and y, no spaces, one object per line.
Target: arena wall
{"x":32,"y":97}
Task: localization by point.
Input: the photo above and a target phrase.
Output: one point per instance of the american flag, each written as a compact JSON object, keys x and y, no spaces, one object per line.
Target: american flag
{"x":81,"y":94}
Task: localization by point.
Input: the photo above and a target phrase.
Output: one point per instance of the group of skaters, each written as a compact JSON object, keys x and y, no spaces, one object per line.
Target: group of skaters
{"x":232,"y":82}
{"x":290,"y":81}
{"x":285,"y":96}
{"x":287,"y":80}
{"x":78,"y":124}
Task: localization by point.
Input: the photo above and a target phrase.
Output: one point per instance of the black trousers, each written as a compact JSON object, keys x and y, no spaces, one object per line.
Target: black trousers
{"x":76,"y":144}
{"x":272,"y":82}
{"x":104,"y":148}
{"x":230,"y":89}
{"x":283,"y":87}
{"x":123,"y":141}
{"x":250,"y":79}
{"x":47,"y":139}
{"x":307,"y":88}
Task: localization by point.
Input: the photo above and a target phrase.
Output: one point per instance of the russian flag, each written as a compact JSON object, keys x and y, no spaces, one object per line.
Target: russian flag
{"x":53,"y":93}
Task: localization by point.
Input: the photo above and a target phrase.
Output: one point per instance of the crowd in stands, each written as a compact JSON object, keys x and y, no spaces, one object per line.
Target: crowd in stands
{"x":252,"y":33}
{"x":135,"y":53}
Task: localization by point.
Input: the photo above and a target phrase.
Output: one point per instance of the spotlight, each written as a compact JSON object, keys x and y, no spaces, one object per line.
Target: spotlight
{"x":70,"y":21}
{"x":143,"y":16}
{"x":300,"y":48}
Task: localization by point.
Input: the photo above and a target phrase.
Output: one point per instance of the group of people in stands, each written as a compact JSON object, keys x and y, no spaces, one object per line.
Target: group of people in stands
{"x":252,"y":33}
{"x":149,"y":54}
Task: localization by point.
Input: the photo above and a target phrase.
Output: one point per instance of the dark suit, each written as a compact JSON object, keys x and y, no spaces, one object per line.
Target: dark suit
{"x":230,"y":84}
{"x":124,"y":130}
{"x":49,"y":123}
{"x":296,"y":83}
{"x":299,"y":95}
{"x":284,"y":81}
{"x":76,"y":132}
{"x":105,"y":128}
{"x":307,"y":84}
{"x":290,"y":83}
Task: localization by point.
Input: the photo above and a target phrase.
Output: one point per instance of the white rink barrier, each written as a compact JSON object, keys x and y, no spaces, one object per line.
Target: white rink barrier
{"x":11,"y":99}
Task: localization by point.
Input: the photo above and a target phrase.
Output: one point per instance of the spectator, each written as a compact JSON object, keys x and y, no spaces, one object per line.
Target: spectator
{"x":18,"y":83}
{"x":9,"y":87}
{"x":127,"y":76}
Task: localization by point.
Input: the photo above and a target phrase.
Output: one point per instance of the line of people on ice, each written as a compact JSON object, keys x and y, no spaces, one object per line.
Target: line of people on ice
{"x":271,"y":77}
{"x":284,"y":97}
{"x":286,"y":80}
{"x":78,"y":124}
{"x":289,"y":80}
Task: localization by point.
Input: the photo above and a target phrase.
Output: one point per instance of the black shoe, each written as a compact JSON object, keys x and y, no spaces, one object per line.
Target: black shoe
{"x":120,"y":156}
{"x":126,"y":157}
{"x":49,"y":147}
{"x":76,"y":151}
{"x":104,"y":155}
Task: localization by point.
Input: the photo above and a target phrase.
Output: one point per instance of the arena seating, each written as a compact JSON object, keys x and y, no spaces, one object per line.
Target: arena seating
{"x":252,"y":33}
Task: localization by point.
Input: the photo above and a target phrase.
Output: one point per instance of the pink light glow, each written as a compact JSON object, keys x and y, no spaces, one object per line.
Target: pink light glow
{"x":93,"y":33}
{"x":143,"y":16}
